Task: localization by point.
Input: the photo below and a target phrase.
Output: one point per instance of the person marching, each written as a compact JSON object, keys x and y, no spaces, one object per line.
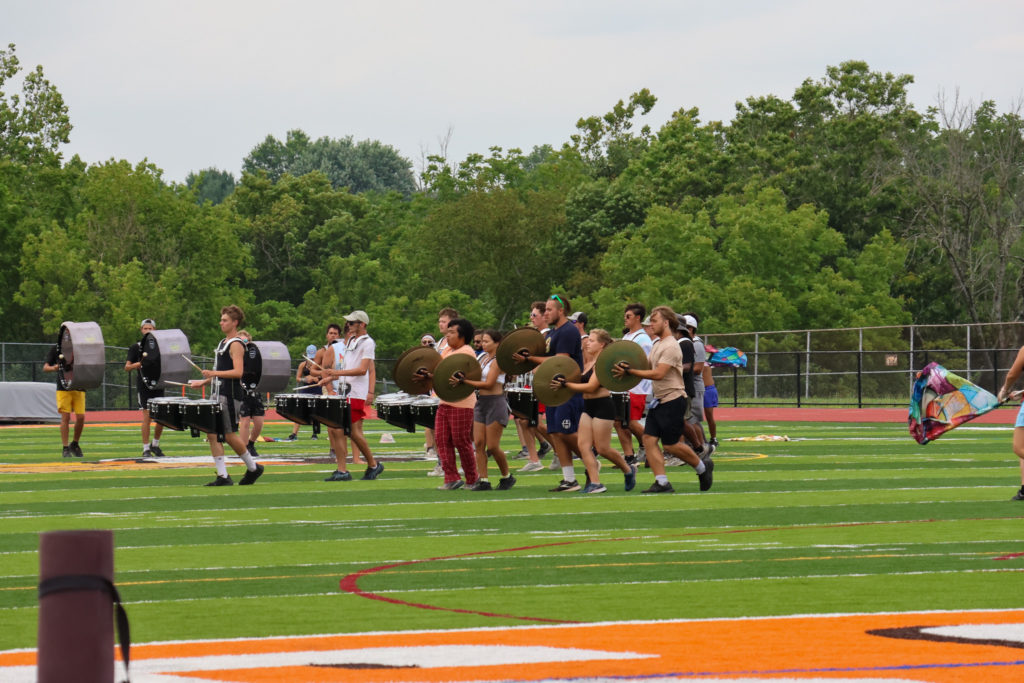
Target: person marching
{"x":633,"y":316}
{"x":356,"y":361}
{"x":667,"y":417}
{"x":453,"y":424}
{"x":68,"y":402}
{"x":595,"y":431}
{"x":144,"y":393}
{"x":562,"y":421}
{"x":490,"y":414}
{"x":444,"y":316}
{"x":1018,"y":429}
{"x":227,"y":375}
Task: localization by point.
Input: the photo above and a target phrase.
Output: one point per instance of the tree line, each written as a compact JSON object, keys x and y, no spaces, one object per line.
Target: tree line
{"x":840,"y":206}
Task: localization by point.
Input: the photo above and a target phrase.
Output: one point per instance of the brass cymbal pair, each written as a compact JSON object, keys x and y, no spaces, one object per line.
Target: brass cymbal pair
{"x":411,"y":366}
{"x":625,"y":351}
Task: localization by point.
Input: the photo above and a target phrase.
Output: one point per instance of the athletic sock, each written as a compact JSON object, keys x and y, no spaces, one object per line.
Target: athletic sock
{"x":700,"y":467}
{"x":145,"y":448}
{"x":661,"y":479}
{"x":220,"y":462}
{"x":155,"y":442}
{"x":569,"y":473}
{"x":250,"y":464}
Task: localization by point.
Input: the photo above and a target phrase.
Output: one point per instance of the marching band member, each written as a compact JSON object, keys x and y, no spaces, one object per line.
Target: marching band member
{"x":595,"y":430}
{"x":453,"y":425}
{"x":633,"y":316}
{"x":227,"y":373}
{"x":490,"y":414}
{"x":144,"y":393}
{"x":667,"y":417}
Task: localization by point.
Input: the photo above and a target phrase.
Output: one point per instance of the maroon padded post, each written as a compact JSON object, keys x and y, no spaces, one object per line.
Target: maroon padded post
{"x":76,"y":626}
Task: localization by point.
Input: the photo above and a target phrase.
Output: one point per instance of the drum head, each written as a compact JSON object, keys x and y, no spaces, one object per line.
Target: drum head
{"x":615,"y":353}
{"x":548,"y":370}
{"x":447,"y":368}
{"x":525,"y":338}
{"x":409,"y":363}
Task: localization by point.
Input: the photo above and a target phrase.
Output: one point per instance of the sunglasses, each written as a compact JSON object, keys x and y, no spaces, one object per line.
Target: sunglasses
{"x":558,"y":299}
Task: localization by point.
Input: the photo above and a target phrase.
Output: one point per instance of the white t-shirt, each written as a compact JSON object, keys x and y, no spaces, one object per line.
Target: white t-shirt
{"x":641,"y":338}
{"x":356,"y":351}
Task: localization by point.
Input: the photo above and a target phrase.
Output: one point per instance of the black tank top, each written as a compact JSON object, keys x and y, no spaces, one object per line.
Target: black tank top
{"x":230,"y":388}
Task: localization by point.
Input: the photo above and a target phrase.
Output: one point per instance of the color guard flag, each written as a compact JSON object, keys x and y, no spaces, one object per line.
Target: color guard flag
{"x":942,"y":401}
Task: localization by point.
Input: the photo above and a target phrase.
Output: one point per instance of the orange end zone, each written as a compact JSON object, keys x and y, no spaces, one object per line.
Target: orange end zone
{"x":938,"y":647}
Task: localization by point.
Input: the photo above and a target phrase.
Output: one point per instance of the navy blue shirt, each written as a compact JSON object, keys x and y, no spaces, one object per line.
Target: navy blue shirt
{"x":566,"y":339}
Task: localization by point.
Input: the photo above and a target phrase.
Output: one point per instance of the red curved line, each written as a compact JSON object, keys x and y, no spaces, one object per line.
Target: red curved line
{"x":350,"y":583}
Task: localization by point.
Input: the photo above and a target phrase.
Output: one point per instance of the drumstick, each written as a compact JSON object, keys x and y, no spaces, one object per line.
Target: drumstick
{"x":189,"y":361}
{"x":177,"y":384}
{"x":313,"y":362}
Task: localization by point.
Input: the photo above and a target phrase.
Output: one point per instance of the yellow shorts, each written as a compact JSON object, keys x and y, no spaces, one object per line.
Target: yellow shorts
{"x":71,"y":402}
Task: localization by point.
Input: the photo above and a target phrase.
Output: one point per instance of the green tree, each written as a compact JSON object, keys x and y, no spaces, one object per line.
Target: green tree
{"x":607,"y":143}
{"x":368,"y":165}
{"x":966,"y":175}
{"x":34,"y":189}
{"x":211,"y":185}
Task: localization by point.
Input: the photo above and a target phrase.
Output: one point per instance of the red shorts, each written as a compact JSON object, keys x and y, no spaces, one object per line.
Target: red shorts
{"x":637,"y":403}
{"x":357,"y":408}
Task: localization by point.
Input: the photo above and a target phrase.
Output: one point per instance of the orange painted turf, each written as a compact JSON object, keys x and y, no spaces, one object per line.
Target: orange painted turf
{"x":787,"y":648}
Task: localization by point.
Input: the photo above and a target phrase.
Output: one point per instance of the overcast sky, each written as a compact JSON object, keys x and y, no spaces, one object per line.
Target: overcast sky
{"x":197,"y":84}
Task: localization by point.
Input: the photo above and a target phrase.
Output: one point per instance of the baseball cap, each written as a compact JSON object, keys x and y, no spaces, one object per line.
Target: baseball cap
{"x":579,"y":317}
{"x":311,"y":350}
{"x":358,"y":316}
{"x":147,"y":321}
{"x":647,"y":321}
{"x":689,"y":321}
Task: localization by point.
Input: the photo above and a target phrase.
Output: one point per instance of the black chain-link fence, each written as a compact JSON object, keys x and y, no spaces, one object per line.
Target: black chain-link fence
{"x":868,"y":366}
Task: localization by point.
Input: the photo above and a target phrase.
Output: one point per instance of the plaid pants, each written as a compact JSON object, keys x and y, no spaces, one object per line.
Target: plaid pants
{"x":453,"y":428}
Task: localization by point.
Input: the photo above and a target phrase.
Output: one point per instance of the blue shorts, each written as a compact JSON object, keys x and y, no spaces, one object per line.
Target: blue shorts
{"x":711,"y":396}
{"x":565,"y":419}
{"x":1020,"y":417}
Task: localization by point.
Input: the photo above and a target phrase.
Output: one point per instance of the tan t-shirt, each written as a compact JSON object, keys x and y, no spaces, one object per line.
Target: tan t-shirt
{"x":669,"y":387}
{"x":469,"y":401}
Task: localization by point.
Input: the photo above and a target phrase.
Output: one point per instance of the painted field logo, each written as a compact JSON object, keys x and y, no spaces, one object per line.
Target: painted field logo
{"x":937,"y":647}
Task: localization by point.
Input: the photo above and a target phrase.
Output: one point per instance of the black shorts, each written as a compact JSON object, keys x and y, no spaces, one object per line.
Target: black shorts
{"x":229,"y":413}
{"x":666,"y":421}
{"x":252,"y":406}
{"x":145,"y":394}
{"x":599,"y":408}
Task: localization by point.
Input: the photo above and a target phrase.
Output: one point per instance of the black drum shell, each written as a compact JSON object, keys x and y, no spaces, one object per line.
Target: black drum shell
{"x":295,"y":407}
{"x":168,"y":412}
{"x":164,"y":360}
{"x":81,"y":356}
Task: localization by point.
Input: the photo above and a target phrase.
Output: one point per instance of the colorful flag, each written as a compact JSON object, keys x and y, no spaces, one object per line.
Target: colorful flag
{"x":942,"y":401}
{"x":729,"y":357}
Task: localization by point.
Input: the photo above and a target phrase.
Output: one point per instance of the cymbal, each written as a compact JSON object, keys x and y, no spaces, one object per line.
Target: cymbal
{"x":411,"y":361}
{"x":528,"y":338}
{"x":446,"y":369}
{"x":548,"y":370}
{"x":615,"y":353}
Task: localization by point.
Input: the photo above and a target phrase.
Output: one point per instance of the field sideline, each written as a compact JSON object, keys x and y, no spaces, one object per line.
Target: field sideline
{"x":848,"y":552}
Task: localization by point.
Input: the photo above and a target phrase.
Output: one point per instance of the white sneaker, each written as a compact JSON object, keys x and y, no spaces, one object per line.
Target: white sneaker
{"x":641,"y":456}
{"x":533,"y":467}
{"x":431,"y":453}
{"x":673,"y":461}
{"x":438,"y":471}
{"x":555,"y":465}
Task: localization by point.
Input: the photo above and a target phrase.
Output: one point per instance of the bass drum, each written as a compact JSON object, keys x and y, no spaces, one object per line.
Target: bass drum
{"x":163,"y":358}
{"x":267,"y":367}
{"x":81,"y":357}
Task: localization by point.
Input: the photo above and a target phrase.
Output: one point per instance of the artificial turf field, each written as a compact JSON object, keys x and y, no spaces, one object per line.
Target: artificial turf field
{"x":857,"y":521}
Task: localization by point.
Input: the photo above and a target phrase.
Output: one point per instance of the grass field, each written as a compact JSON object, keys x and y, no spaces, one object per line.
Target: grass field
{"x":842,"y":519}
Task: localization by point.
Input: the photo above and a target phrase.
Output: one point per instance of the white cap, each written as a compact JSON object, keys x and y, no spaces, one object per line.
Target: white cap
{"x":690,"y":321}
{"x":358,"y":316}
